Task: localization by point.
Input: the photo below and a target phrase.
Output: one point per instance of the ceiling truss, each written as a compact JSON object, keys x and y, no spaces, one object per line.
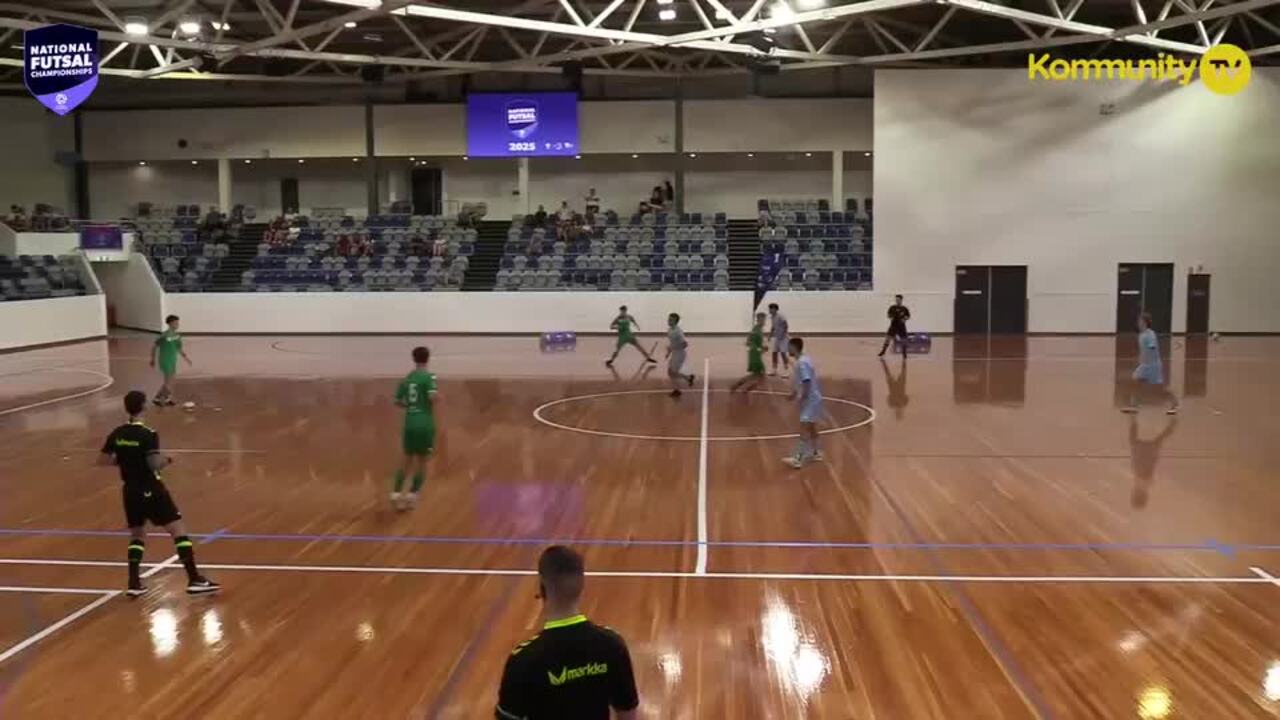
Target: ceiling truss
{"x":330,"y":41}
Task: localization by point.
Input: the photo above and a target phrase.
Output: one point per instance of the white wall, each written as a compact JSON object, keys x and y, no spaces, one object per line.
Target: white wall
{"x":422,"y":130}
{"x":451,"y":312}
{"x":115,"y":189}
{"x":37,"y":322}
{"x":41,"y":243}
{"x":777,"y":125}
{"x":132,"y":290}
{"x":288,"y":132}
{"x":983,"y":167}
{"x":31,"y":137}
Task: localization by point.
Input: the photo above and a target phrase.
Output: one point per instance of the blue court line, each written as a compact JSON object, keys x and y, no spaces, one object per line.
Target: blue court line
{"x":222,"y":534}
{"x":1004,"y":657}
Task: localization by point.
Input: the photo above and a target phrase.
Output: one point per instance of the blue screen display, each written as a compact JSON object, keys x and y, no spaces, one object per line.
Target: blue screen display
{"x":101,"y":237}
{"x":522,"y":125}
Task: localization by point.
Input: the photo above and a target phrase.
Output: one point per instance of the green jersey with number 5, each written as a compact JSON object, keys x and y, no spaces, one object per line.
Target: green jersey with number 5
{"x":415,"y":394}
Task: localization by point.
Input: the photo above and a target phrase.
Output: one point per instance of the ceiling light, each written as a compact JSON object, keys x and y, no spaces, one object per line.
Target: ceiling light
{"x":577,"y":157}
{"x":667,"y":14}
{"x":135,"y":26}
{"x":634,"y":156}
{"x":769,"y":31}
{"x":866,"y":154}
{"x":412,"y":159}
{"x":248,"y":162}
{"x":782,"y":11}
{"x":301,"y":161}
{"x":466,"y":157}
{"x":195,"y":162}
{"x":219,"y":26}
{"x":751,"y":154}
{"x":693,"y":154}
{"x":810,"y":4}
{"x":348,"y":24}
{"x":665,"y":2}
{"x":808,"y":154}
{"x":142,"y":162}
{"x":190,"y":27}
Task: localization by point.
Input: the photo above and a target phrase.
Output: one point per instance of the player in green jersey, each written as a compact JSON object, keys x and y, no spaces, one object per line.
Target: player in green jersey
{"x":624,"y":324}
{"x":755,"y":358}
{"x":167,"y":349}
{"x":416,"y":394}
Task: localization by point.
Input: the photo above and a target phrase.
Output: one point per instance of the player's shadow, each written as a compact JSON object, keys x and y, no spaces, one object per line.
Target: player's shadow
{"x":641,"y":374}
{"x":897,"y":385}
{"x":1143,"y":456}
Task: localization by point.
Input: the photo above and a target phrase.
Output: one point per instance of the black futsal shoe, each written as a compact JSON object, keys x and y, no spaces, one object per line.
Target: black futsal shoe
{"x":676,"y":393}
{"x":202,"y":586}
{"x":136,"y":591}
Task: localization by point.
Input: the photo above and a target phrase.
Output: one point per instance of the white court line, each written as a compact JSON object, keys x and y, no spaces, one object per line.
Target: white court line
{"x":53,"y":590}
{"x":160,"y":566}
{"x":106,"y":596}
{"x":361,"y":569}
{"x":73,"y":396}
{"x":700,"y":567}
{"x":537,"y":415}
{"x":1266,"y":576}
{"x":205,"y":451}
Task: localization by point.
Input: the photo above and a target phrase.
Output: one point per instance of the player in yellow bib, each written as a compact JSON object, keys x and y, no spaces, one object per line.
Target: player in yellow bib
{"x":416,"y":394}
{"x":166,"y":350}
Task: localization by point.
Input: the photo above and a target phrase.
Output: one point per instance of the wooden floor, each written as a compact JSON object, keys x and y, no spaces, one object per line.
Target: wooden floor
{"x":998,"y":542}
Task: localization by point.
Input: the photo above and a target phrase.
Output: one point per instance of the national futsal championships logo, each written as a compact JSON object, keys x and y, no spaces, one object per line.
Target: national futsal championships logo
{"x":60,"y":65}
{"x":522,"y":118}
{"x":1224,"y":69}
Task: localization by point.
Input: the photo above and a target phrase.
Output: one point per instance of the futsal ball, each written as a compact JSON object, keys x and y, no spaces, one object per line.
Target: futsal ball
{"x":188,"y":405}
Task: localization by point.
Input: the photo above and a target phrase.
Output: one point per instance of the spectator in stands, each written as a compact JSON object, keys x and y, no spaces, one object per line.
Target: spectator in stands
{"x":439,"y":246}
{"x":540,"y":217}
{"x":343,"y":246}
{"x":17,"y":219}
{"x":535,"y":244}
{"x":668,"y":192}
{"x":418,"y":245}
{"x":591,"y":203}
{"x":564,"y":221}
{"x":656,"y":201}
{"x":766,"y":218}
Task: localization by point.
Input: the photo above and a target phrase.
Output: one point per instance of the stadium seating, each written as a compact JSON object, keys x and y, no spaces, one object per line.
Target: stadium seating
{"x":171,"y":238}
{"x":822,"y":250}
{"x":32,"y":277}
{"x":383,"y":253}
{"x":648,"y":252}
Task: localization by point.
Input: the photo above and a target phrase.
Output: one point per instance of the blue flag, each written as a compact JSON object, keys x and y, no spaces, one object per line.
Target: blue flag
{"x":767,"y":278}
{"x":60,"y":65}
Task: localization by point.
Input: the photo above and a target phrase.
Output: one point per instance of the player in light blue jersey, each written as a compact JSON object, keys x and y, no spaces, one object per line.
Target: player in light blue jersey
{"x":677,"y":352}
{"x":1148,"y":377}
{"x":805,"y":386}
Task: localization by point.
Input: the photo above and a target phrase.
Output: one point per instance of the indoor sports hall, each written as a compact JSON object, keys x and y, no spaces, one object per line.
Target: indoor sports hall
{"x":890,"y":359}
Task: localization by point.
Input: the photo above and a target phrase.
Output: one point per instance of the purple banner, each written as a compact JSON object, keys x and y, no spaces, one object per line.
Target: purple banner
{"x":60,"y":65}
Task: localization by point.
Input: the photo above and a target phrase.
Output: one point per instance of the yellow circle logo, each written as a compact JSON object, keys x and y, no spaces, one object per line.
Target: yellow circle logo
{"x":1225,"y":69}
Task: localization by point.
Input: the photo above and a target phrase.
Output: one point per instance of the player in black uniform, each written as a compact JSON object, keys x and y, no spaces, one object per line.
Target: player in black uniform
{"x":573,"y":668}
{"x":898,"y":317}
{"x":135,"y":448}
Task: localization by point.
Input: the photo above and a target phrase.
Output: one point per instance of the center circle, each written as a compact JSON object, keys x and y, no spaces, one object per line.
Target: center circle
{"x":867,"y":416}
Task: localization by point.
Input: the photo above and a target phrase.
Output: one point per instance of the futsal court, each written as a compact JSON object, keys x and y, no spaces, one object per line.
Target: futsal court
{"x":988,"y":536}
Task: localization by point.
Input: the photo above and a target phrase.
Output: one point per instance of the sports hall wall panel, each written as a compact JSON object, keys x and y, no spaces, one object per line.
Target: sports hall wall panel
{"x":31,"y":139}
{"x":986,"y":167}
{"x":52,"y":320}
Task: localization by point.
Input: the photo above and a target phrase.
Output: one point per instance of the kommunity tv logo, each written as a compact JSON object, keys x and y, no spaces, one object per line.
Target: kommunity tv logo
{"x":1224,"y":69}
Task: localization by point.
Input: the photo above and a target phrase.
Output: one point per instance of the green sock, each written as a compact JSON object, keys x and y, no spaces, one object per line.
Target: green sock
{"x":399,"y":480}
{"x":418,"y":479}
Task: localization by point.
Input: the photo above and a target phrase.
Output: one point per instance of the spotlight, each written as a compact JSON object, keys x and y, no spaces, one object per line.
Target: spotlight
{"x":142,"y":163}
{"x":135,"y":26}
{"x":190,"y":27}
{"x":348,"y":25}
{"x":301,"y":161}
{"x":667,"y":14}
{"x":195,"y":162}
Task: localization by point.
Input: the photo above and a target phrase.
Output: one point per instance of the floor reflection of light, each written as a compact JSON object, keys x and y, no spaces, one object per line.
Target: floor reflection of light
{"x":801,"y":665}
{"x":129,"y":680}
{"x":164,"y":632}
{"x":211,"y":627}
{"x":1132,"y":641}
{"x":671,"y":667}
{"x":1155,"y":703}
{"x":365,"y":632}
{"x":1271,"y":682}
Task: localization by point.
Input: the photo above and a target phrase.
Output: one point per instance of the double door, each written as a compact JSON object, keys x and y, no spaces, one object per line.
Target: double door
{"x":991,"y":299}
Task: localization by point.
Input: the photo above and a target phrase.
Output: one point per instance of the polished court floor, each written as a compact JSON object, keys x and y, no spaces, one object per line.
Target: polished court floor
{"x":989,"y":537}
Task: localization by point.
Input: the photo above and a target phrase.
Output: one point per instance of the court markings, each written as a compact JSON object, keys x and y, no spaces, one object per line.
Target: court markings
{"x":1266,"y":576}
{"x":105,"y":596}
{"x":537,"y":415}
{"x":675,"y":574}
{"x":184,"y":451}
{"x":700,"y":567}
{"x":109,"y":382}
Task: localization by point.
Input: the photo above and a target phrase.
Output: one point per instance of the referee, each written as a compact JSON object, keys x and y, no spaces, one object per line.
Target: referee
{"x":573,"y":669}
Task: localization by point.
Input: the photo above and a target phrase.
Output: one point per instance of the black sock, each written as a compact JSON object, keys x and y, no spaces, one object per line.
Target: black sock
{"x":187,"y":554}
{"x":136,"y":549}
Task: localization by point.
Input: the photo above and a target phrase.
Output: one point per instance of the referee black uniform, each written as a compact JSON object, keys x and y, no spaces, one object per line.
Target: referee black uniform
{"x":572,"y":670}
{"x":145,"y":496}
